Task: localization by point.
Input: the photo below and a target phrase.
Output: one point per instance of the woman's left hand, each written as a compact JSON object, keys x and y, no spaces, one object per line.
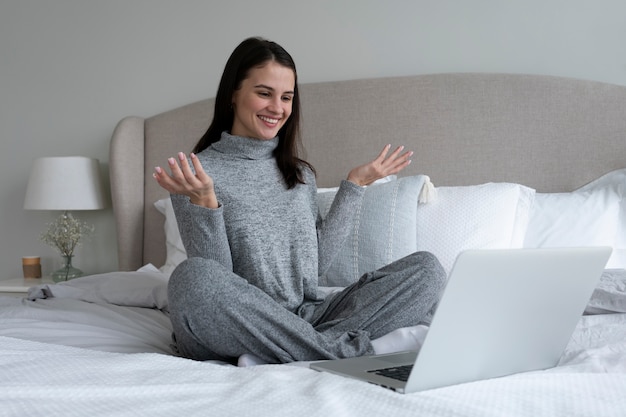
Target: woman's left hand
{"x":385,"y":164}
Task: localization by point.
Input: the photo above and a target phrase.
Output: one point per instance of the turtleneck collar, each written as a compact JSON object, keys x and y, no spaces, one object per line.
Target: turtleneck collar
{"x":245,"y":148}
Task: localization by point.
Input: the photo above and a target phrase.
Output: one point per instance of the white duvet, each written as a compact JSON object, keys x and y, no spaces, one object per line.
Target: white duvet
{"x":71,"y":357}
{"x":43,"y":379}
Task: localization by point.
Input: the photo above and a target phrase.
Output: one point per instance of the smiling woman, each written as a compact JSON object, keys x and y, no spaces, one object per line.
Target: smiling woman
{"x":248,"y":218}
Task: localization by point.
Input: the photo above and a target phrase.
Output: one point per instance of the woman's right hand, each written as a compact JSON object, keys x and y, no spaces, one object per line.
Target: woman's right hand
{"x":198,"y":187}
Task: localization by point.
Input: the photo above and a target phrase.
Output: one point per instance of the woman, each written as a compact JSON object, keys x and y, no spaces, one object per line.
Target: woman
{"x":247,"y":213}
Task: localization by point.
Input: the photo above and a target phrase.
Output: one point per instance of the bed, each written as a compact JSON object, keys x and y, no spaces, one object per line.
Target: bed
{"x":513,"y":160}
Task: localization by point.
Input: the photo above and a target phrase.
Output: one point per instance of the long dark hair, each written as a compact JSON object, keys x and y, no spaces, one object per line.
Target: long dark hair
{"x":253,"y":53}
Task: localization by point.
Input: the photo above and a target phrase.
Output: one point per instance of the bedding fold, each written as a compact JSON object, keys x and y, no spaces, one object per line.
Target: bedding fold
{"x":146,"y":287}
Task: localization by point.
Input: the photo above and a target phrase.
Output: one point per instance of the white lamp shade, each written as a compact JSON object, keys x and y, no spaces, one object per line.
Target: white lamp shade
{"x":65,"y":183}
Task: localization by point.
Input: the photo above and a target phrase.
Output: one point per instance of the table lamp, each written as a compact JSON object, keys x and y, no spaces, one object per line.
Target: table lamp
{"x":65,"y":183}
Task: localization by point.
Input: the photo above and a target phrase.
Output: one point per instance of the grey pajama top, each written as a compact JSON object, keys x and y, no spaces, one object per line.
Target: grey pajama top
{"x":264,"y":232}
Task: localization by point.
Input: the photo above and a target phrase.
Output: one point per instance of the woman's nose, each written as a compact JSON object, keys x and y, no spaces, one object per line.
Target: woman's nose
{"x":275,"y":106}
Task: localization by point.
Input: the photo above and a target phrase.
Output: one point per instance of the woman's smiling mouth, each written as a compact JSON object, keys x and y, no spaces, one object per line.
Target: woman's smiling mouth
{"x":269,"y":120}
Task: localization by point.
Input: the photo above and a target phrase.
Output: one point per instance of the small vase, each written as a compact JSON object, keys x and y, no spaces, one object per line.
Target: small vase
{"x":67,"y":272}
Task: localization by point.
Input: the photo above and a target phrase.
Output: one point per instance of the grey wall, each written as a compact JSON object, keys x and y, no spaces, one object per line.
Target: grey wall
{"x":70,"y":69}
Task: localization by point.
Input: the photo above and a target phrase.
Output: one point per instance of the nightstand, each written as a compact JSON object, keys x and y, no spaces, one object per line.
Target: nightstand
{"x":18,"y":287}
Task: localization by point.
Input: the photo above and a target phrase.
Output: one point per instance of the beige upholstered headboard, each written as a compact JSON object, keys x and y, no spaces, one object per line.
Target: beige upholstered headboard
{"x":550,"y":133}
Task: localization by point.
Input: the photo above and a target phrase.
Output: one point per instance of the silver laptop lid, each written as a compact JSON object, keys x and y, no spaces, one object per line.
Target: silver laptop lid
{"x":506,"y":311}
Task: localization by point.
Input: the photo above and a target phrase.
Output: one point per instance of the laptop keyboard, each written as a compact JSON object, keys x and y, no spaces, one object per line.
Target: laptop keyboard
{"x":401,"y":373}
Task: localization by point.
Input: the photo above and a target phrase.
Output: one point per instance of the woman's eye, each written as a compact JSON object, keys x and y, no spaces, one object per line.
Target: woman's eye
{"x":287,"y":98}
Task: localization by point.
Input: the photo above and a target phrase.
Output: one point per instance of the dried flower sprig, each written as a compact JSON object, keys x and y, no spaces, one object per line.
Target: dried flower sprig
{"x":65,"y":233}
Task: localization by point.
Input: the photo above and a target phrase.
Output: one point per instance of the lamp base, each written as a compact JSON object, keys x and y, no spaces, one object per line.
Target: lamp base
{"x":67,"y":272}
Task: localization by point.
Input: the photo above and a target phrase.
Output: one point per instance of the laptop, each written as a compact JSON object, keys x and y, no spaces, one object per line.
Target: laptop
{"x":502,"y":312}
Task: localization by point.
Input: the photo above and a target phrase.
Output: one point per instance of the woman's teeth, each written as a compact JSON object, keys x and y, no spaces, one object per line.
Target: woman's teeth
{"x":268,"y":120}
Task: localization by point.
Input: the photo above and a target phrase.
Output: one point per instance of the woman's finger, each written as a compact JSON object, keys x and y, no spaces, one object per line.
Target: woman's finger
{"x":383,"y":153}
{"x":164,"y":180}
{"x":395,"y":153}
{"x":176,"y":172}
{"x":394,"y":156}
{"x":197,"y":166}
{"x":185,"y":169}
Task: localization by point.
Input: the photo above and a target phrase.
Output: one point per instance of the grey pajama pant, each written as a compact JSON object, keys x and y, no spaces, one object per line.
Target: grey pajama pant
{"x":218,"y":315}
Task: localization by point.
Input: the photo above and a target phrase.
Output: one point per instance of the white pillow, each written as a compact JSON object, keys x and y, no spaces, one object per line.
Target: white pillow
{"x":383,"y":229}
{"x":174,"y":249}
{"x":486,"y":216}
{"x":472,"y":217}
{"x":593,"y":215}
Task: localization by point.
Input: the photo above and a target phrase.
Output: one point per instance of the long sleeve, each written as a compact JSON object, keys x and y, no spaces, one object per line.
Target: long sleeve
{"x":333,"y":230}
{"x":202,"y":231}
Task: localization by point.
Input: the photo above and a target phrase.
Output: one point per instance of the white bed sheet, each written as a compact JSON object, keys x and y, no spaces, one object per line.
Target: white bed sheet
{"x":104,"y":327}
{"x":67,"y":356}
{"x":44,"y":379}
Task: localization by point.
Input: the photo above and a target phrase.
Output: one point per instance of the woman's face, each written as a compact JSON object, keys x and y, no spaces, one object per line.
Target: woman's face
{"x":262,"y":104}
